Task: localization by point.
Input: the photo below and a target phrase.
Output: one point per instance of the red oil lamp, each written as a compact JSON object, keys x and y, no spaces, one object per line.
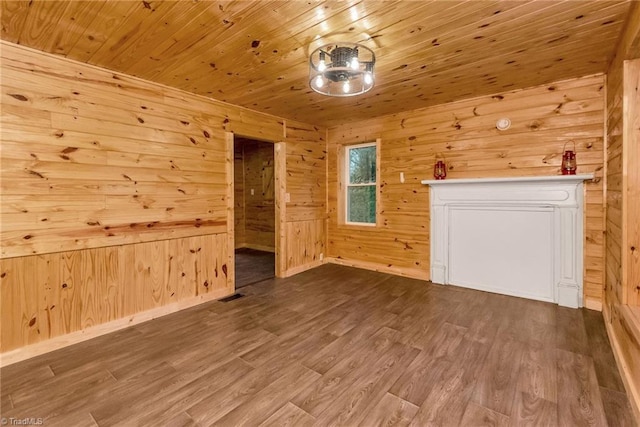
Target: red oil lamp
{"x":440,"y":170}
{"x":569,"y":165}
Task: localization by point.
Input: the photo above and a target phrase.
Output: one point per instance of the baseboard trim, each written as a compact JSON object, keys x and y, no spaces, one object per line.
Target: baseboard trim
{"x":299,"y":269}
{"x":56,"y":343}
{"x":592,"y":304}
{"x":633,"y":393}
{"x":256,"y":247}
{"x":382,"y":268}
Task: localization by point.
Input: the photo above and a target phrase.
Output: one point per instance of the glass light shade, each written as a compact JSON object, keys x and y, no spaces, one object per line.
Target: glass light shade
{"x":345,"y":69}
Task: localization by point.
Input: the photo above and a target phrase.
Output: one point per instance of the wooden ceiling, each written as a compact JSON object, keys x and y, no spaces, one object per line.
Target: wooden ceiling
{"x":255,"y":53}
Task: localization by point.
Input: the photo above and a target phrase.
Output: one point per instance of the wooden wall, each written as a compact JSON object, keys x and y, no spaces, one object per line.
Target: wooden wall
{"x":622,"y":296}
{"x":543,"y":119}
{"x":306,"y":192}
{"x":255,"y":219}
{"x":119,"y":189}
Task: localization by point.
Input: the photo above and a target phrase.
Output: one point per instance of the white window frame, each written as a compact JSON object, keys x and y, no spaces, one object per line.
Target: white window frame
{"x":346,"y":176}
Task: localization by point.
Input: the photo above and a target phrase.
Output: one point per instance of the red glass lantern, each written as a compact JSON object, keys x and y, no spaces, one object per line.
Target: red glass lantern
{"x":440,"y":170}
{"x":569,"y":164}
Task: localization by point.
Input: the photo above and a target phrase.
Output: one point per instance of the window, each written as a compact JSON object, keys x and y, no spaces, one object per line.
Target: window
{"x":361,"y":183}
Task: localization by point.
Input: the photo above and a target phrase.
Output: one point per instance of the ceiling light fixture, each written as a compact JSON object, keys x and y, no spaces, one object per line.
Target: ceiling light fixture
{"x":342,"y":69}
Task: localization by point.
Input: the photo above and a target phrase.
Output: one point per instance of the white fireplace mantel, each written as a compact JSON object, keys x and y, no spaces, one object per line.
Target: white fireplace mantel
{"x":516,"y":236}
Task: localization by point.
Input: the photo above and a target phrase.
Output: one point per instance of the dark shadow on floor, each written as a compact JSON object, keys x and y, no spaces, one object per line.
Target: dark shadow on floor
{"x":253,"y":266}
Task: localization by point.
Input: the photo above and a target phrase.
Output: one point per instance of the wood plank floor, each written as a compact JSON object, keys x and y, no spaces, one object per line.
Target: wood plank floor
{"x":335,"y":346}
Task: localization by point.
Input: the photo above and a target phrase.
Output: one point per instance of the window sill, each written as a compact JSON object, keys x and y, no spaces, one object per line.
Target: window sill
{"x":358,"y":226}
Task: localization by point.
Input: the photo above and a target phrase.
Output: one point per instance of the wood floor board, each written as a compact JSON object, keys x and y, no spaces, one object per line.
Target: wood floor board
{"x":266,"y":402}
{"x":616,"y":408}
{"x":390,"y":411}
{"x":415,"y":384}
{"x":538,"y":373}
{"x":181,"y":420}
{"x":75,"y":419}
{"x":488,"y":319}
{"x":579,"y":391}
{"x":479,"y":416}
{"x":15,"y":377}
{"x":498,"y":379}
{"x":179,"y":394}
{"x":311,"y":321}
{"x":334,"y":346}
{"x":603,"y":359}
{"x":289,"y":415}
{"x":349,"y":343}
{"x":571,"y":334}
{"x":467,"y":310}
{"x":453,"y":390}
{"x":113,"y":405}
{"x":68,"y":385}
{"x":352,"y":405}
{"x":320,"y":395}
{"x":6,"y":404}
{"x":292,"y":349}
{"x":346,"y":322}
{"x":530,"y":410}
{"x":254,"y":402}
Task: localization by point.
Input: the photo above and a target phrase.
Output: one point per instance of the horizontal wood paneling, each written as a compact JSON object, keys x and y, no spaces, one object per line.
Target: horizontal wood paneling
{"x":94,"y":159}
{"x":543,"y":119}
{"x":116,"y":186}
{"x":51,"y":295}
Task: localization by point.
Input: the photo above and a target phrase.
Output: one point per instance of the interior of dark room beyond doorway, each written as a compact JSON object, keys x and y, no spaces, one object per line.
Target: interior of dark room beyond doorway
{"x":253,"y":266}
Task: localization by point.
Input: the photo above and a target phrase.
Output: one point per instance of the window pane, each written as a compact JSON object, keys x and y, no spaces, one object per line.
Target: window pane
{"x":361,"y":203}
{"x":362,"y":165}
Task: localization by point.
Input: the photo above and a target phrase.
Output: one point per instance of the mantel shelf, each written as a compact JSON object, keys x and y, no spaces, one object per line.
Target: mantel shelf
{"x":550,"y":179}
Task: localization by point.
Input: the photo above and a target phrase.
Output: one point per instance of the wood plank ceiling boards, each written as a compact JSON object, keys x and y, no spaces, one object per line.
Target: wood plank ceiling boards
{"x":254,"y":54}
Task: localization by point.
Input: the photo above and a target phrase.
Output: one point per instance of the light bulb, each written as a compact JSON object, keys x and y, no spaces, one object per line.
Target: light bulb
{"x":368,"y":78}
{"x":319,"y":82}
{"x":355,"y":64}
{"x":322,"y":66}
{"x":346,"y":87}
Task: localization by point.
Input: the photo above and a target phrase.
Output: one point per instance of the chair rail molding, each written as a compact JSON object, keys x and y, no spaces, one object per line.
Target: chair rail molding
{"x":518,"y":236}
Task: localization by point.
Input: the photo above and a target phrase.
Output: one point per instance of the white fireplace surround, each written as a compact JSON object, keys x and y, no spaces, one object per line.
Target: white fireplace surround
{"x":515,"y":236}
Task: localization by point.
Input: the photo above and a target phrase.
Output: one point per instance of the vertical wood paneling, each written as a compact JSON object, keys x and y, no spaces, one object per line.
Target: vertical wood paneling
{"x":306,"y":158}
{"x":51,"y":295}
{"x":463,"y":134}
{"x":631,"y":153}
{"x":623,"y":209}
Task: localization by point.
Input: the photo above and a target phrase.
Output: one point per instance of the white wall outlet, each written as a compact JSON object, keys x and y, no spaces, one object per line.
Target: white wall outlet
{"x":287,"y":197}
{"x":402,"y":177}
{"x":252,"y":192}
{"x":321,"y":256}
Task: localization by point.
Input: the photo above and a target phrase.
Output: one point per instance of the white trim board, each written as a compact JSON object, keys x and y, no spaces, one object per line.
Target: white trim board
{"x":516,"y":236}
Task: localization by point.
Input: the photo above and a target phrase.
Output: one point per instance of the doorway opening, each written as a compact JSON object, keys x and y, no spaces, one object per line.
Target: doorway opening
{"x":254,"y":210}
